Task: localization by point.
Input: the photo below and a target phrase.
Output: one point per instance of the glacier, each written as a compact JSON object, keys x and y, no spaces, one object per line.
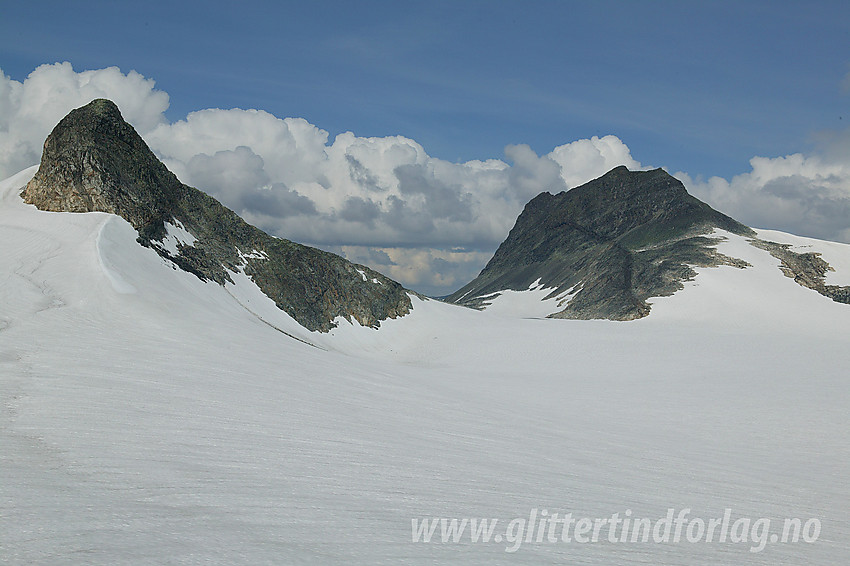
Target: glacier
{"x":151,"y":418}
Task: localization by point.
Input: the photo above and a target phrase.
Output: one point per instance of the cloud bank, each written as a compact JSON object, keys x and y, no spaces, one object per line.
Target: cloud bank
{"x":429,"y":223}
{"x":30,"y":110}
{"x":385,"y":202}
{"x":804,"y":195}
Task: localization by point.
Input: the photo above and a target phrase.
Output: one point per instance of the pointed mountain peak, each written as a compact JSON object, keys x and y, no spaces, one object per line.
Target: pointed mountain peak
{"x":612,"y":242}
{"x":95,"y":161}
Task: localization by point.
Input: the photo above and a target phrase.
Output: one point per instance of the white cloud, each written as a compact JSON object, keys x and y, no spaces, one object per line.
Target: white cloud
{"x":382,"y":192}
{"x":584,"y":160}
{"x":30,"y":109}
{"x":805,"y":195}
{"x":436,"y":222}
{"x":530,"y":174}
{"x":291,"y":148}
{"x":383,"y":201}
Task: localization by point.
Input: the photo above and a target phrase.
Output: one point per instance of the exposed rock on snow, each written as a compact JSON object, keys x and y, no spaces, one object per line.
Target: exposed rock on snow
{"x":808,"y":269}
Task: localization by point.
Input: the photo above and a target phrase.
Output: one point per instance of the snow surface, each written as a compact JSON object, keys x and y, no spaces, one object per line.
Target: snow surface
{"x":535,"y":302}
{"x":151,"y":418}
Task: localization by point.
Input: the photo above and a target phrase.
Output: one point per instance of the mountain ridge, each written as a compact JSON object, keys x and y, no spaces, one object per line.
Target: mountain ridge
{"x":604,"y":248}
{"x":95,"y":161}
{"x":601,"y":249}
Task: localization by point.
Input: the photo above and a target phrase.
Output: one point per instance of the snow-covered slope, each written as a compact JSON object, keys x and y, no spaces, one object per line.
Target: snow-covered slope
{"x":150,"y":418}
{"x":724,"y":293}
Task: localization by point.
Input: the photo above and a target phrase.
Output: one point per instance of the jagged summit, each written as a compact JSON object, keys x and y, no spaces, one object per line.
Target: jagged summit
{"x":614,"y":242}
{"x":95,"y":161}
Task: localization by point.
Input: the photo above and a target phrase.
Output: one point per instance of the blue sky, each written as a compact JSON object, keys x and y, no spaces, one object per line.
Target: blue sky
{"x":693,"y":86}
{"x":745,"y":102}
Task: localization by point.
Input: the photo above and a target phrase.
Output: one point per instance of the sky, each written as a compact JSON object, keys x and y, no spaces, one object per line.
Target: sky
{"x":408,"y":136}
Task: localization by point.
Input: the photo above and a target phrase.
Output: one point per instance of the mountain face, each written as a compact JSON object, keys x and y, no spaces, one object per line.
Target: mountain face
{"x":95,"y":161}
{"x":609,"y":245}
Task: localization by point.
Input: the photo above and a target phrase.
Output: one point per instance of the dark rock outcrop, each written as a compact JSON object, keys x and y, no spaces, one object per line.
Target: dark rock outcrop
{"x":95,"y":161}
{"x":615,"y":242}
{"x":806,"y":269}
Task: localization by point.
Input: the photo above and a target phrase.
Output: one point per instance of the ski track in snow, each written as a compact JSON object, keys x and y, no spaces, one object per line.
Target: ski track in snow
{"x":148,"y":419}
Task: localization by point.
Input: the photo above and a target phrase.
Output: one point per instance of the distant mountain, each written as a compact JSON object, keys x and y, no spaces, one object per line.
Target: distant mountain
{"x":95,"y":161}
{"x":606,"y":247}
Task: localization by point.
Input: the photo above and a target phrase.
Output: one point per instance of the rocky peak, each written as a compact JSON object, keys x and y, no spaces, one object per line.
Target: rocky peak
{"x":95,"y":161}
{"x":614,"y":242}
{"x":635,"y":208}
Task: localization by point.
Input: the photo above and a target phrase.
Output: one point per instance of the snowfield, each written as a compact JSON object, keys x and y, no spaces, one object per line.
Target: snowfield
{"x":151,"y":418}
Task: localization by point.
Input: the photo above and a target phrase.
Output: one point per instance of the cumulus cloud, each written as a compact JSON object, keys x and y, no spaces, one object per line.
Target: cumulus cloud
{"x":430,"y":223}
{"x":380,"y":192}
{"x":358,"y":209}
{"x":582,"y":160}
{"x":434,"y":222}
{"x":238,"y":178}
{"x":30,"y":109}
{"x":805,"y":195}
{"x":531,"y":174}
